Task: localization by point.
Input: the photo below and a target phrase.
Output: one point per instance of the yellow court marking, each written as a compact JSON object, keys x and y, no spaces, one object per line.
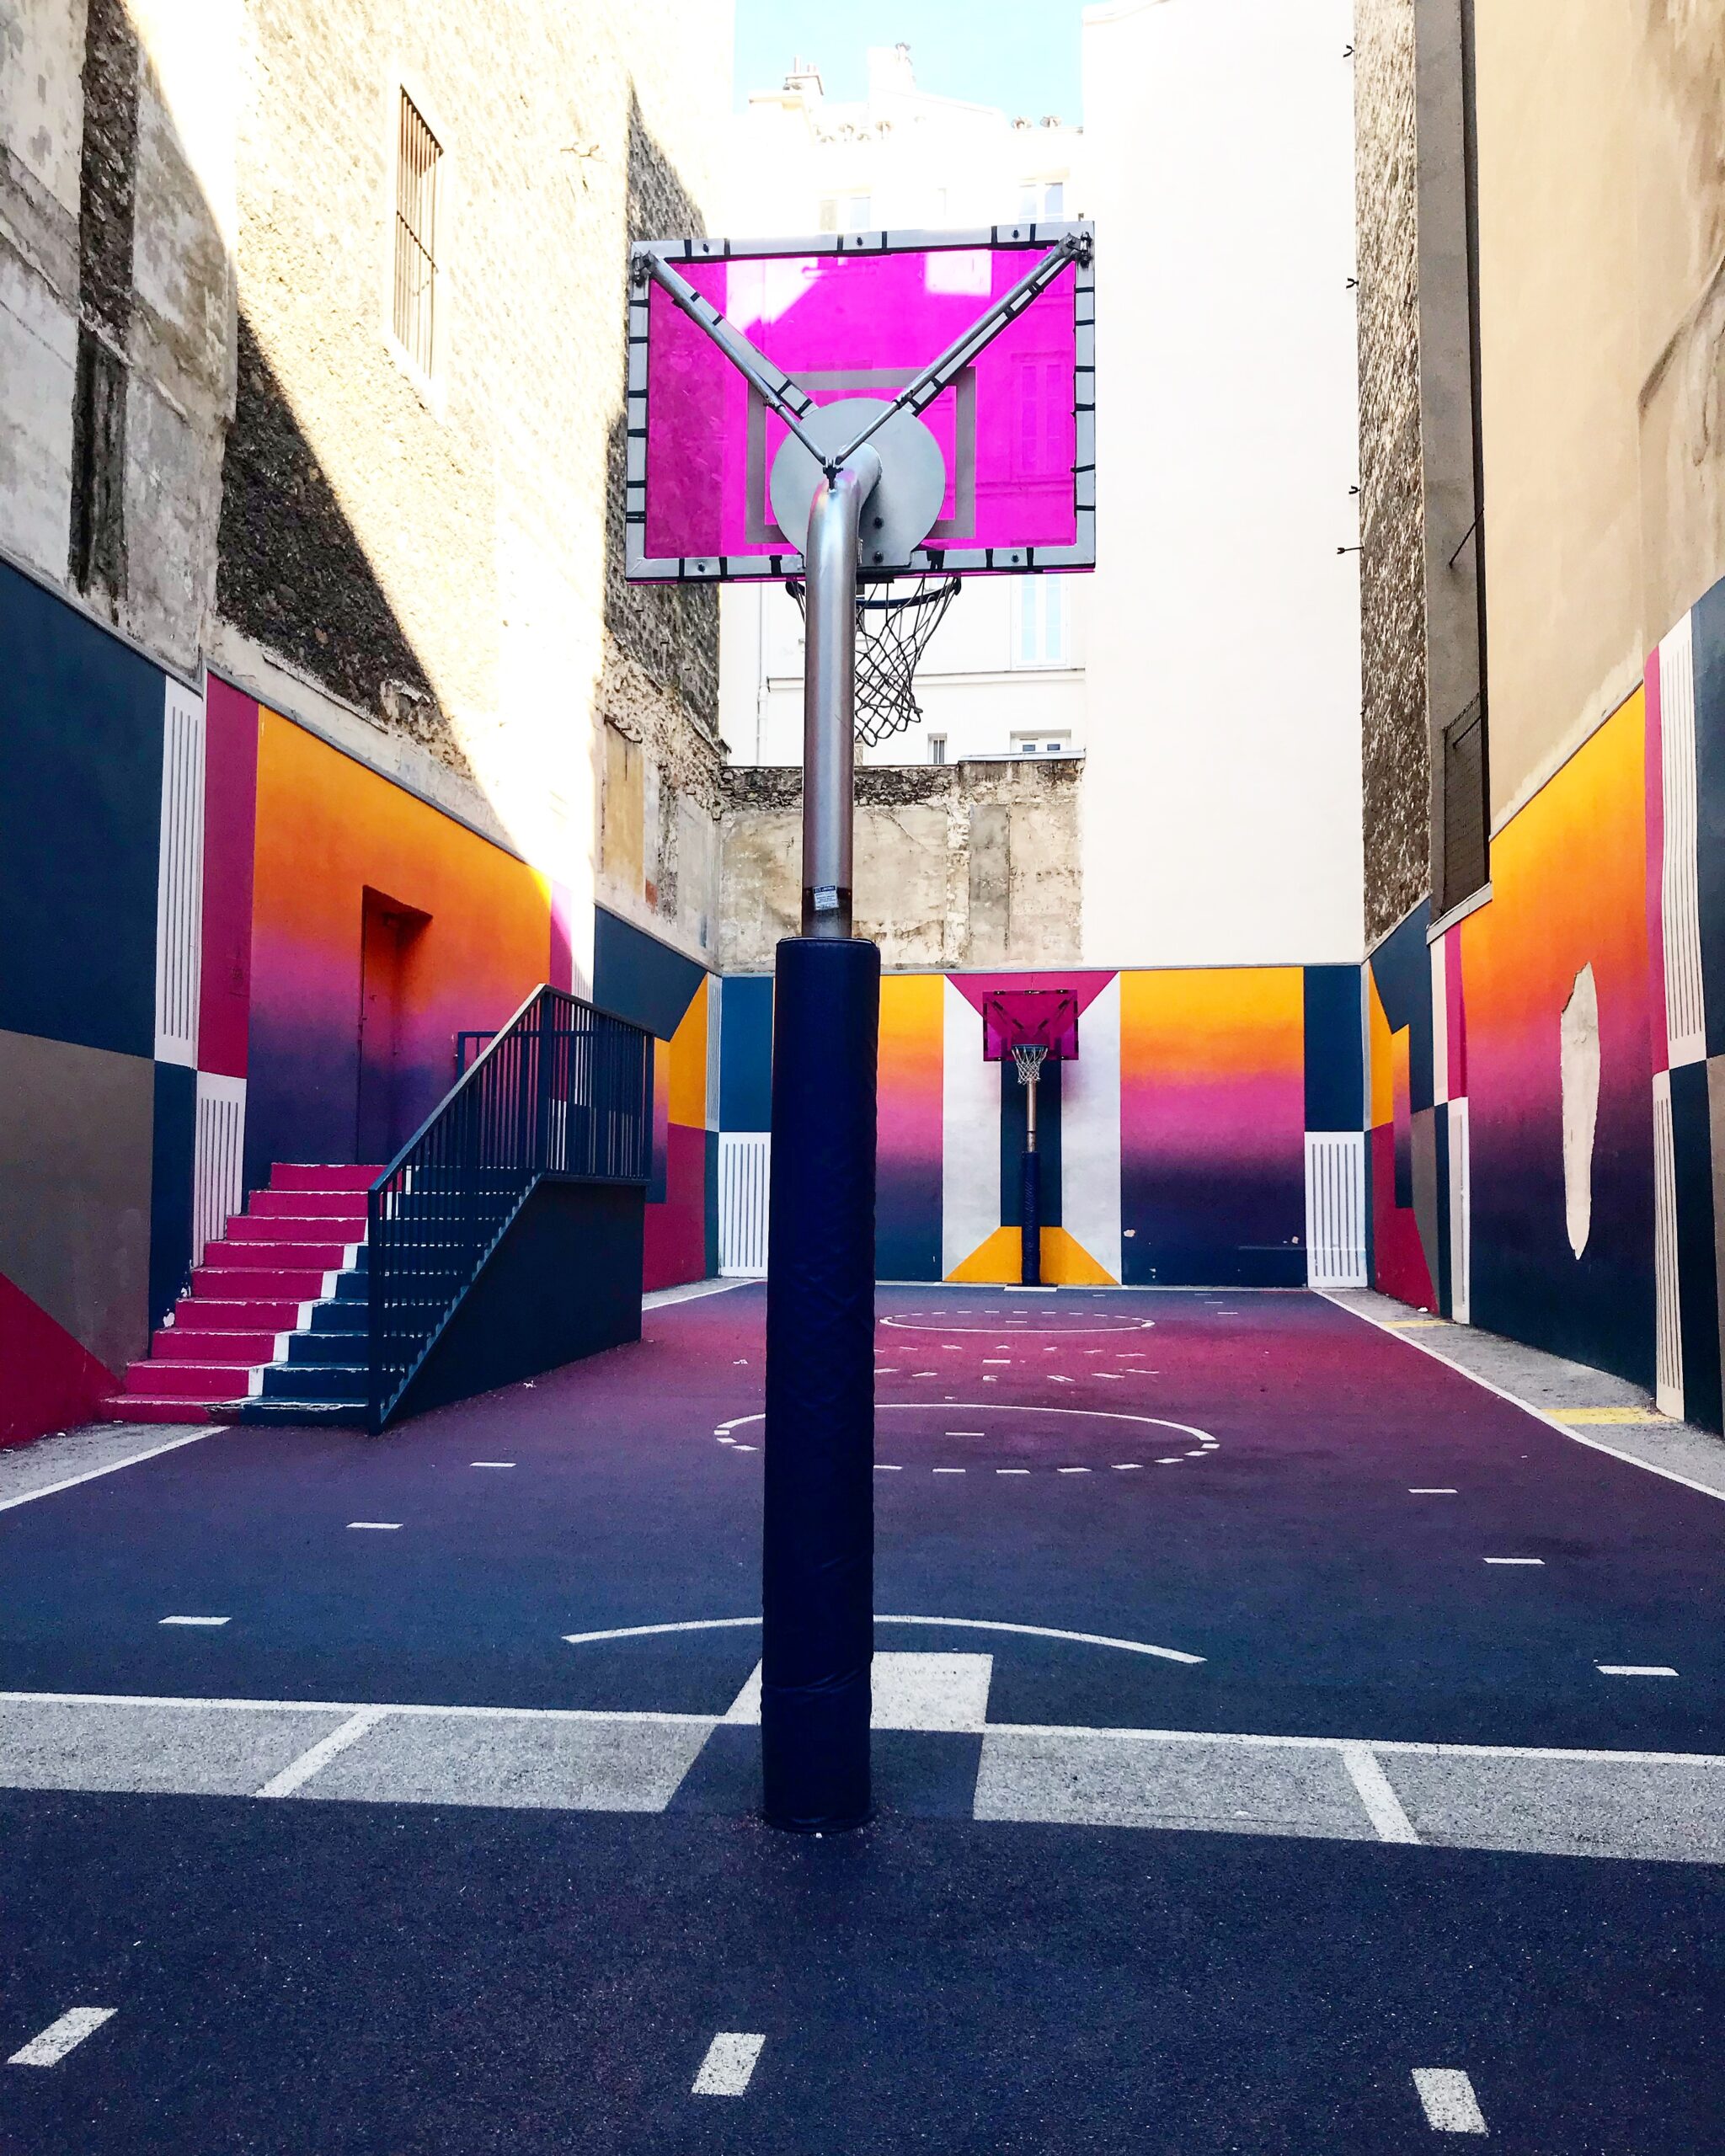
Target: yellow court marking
{"x":1607,"y":1415}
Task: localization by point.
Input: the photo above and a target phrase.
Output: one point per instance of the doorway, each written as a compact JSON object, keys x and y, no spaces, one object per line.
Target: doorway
{"x":386,"y":1109}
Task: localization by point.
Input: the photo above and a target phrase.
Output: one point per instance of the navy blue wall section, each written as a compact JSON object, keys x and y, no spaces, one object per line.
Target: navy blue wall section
{"x":1698,"y":1291}
{"x":1048,"y":1144}
{"x":745,"y":1053}
{"x":1335,"y":1049}
{"x":565,"y":1282}
{"x":80,"y":739}
{"x":174,"y":1126}
{"x":1708,"y":629}
{"x":639,"y":978}
{"x":1401,"y":966}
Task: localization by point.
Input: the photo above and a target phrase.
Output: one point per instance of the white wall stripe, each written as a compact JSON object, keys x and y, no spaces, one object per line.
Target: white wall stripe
{"x":1460,"y":1215}
{"x":218,"y":1159}
{"x":970,"y":1117}
{"x":1090,"y":1133}
{"x":1335,"y":1208}
{"x":744,"y":1170}
{"x":1679,"y":896}
{"x":179,"y":876}
{"x":1668,"y":1325}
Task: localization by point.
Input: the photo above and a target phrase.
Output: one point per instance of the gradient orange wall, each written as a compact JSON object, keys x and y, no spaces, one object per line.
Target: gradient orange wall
{"x":327,"y":828}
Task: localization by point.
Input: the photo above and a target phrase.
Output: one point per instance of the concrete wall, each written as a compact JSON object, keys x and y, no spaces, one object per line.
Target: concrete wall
{"x":968,"y":864}
{"x":208,"y":434}
{"x":1223,"y":780}
{"x":1602,"y":271}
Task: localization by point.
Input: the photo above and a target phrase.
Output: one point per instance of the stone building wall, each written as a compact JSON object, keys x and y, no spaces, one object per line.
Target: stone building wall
{"x":209,"y":434}
{"x":1396,"y":751}
{"x":966,"y":864}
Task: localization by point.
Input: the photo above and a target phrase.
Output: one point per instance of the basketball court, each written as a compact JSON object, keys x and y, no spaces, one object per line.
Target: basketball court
{"x":972,"y":1714}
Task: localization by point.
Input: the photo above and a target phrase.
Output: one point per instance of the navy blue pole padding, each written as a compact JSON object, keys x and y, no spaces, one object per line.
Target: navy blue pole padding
{"x":817,"y":1573}
{"x":1030,"y":1215}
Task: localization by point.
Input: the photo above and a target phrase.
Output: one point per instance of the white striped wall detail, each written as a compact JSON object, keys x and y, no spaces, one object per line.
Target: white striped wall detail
{"x":1668,"y":1321}
{"x":1680,"y":895}
{"x":218,"y":1159}
{"x":1335,"y":1208}
{"x":179,"y":878}
{"x":745,"y":1167}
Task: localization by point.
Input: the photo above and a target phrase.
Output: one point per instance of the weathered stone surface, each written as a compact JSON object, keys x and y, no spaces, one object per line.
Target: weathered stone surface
{"x":966,"y":864}
{"x":1395,"y":753}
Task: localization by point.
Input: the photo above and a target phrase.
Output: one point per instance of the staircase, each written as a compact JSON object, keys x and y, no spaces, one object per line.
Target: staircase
{"x":275,"y":1329}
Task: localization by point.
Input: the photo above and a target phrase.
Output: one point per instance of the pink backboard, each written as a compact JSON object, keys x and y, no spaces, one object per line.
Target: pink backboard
{"x":1043,"y":1018}
{"x":856,"y":315}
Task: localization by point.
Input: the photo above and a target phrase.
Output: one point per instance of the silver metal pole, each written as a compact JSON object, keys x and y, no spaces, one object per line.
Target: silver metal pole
{"x":1030,"y":1112}
{"x":830,"y":694}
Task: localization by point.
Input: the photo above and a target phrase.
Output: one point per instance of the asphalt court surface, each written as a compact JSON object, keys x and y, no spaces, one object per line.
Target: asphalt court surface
{"x":1233,"y":1799}
{"x":1234,"y":1480}
{"x":378,"y":1979}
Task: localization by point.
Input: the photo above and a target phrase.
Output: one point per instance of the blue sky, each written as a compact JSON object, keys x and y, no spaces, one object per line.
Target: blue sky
{"x":1019,"y":54}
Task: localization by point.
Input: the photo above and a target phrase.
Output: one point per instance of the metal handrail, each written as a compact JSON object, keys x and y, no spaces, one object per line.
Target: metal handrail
{"x":564,"y":1092}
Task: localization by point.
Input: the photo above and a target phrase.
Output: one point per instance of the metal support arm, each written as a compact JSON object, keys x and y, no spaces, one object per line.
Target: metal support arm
{"x":828,"y":695}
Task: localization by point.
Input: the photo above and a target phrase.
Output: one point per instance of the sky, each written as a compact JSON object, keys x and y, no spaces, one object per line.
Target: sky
{"x":1022,"y":55}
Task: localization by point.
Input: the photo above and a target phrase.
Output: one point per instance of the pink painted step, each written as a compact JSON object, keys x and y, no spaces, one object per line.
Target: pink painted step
{"x":190,"y":1343}
{"x":278,"y":1227}
{"x":229,"y":1256}
{"x":300,"y":1175}
{"x":300,"y":1283}
{"x":190,"y":1380}
{"x":243,"y":1313}
{"x":344,"y":1205}
{"x":146,"y":1407}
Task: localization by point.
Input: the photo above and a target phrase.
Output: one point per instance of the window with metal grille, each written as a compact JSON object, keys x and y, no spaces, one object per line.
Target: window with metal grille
{"x":418,"y":156}
{"x":1465,"y":862}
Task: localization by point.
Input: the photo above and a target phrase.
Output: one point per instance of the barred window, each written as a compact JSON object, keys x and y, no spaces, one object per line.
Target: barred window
{"x":418,"y":156}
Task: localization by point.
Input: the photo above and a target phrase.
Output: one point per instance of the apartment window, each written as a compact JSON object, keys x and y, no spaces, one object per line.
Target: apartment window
{"x":937,"y":748}
{"x":1042,"y":744}
{"x":1042,"y":198}
{"x":418,"y":157}
{"x":846,"y":213}
{"x":1039,"y":636}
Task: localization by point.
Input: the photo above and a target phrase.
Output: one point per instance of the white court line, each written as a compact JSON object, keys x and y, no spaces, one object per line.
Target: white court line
{"x":1016,"y":1407}
{"x":61,"y":2036}
{"x":881,"y":1467}
{"x":729,"y":2064}
{"x":1124,"y":1466}
{"x":491,"y":1463}
{"x":1431,"y":1493}
{"x":1012,"y":1471}
{"x":1383,"y":1808}
{"x":1634,"y":1669}
{"x":1515,"y":1560}
{"x":309,"y":1762}
{"x":948,"y":1471}
{"x":1539,"y":1414}
{"x":1072,"y":1471}
{"x":114,"y":1466}
{"x":657,"y":1299}
{"x":1446,"y":2097}
{"x":959,"y":1624}
{"x":376,"y":1526}
{"x":192,"y":1620}
{"x":966,"y":1433}
{"x":1412,"y":1748}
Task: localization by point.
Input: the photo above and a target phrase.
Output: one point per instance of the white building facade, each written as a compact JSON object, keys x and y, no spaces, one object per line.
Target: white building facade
{"x":1004,"y":675}
{"x":1222,"y":786}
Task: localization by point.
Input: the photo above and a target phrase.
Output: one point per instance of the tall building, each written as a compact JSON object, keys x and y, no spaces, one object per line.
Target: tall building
{"x":329,"y":727}
{"x":1004,"y":674}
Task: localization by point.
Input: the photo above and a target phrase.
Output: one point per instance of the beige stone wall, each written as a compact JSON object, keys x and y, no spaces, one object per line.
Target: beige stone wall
{"x":1602,"y":284}
{"x":966,"y":864}
{"x":1395,"y":745}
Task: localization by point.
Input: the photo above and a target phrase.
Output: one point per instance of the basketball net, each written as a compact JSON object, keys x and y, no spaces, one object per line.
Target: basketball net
{"x":1028,"y":1056}
{"x":892,"y":635}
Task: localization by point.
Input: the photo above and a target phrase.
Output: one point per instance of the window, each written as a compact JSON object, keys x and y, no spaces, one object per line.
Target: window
{"x":414,"y":315}
{"x":937,"y":748}
{"x":1042,"y":744}
{"x":1039,"y":622}
{"x":1041,"y":197}
{"x":846,"y":213}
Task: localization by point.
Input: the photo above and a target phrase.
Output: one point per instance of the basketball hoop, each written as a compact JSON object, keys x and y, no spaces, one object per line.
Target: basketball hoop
{"x":1028,"y":1056}
{"x":892,"y":635}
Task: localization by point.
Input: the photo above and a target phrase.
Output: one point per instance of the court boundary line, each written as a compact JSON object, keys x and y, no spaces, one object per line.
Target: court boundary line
{"x":1412,"y":1747}
{"x":1527,"y":1407}
{"x":114,"y":1466}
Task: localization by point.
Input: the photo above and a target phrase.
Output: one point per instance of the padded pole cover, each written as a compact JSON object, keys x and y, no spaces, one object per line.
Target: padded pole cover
{"x":817,"y":1585}
{"x":1030,"y":1213}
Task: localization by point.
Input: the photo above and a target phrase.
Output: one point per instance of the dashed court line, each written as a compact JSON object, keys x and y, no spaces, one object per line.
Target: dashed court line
{"x":729,"y":2065}
{"x":61,"y":2037}
{"x":1446,"y":2097}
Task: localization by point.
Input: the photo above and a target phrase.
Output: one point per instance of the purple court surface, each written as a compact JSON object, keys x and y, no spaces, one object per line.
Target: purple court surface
{"x":1282,"y":1742}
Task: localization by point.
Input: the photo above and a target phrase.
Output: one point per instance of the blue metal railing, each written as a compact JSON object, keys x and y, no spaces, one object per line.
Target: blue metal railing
{"x":563,"y":1091}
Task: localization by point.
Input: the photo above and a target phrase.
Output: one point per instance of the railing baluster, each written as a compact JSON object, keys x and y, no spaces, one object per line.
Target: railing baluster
{"x":563,"y":1089}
